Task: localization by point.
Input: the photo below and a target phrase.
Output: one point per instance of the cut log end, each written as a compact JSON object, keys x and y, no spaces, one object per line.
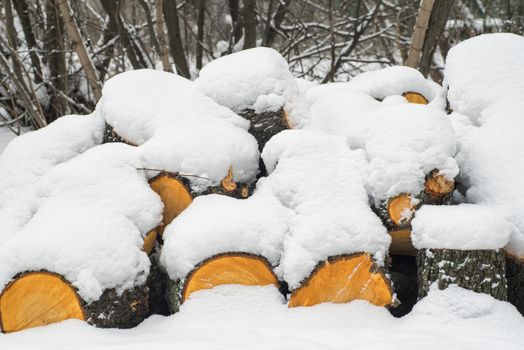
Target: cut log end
{"x":232,"y":268}
{"x":400,"y":209}
{"x":227,"y":183}
{"x":175,"y":196}
{"x":37,"y":299}
{"x":437,"y":185}
{"x":415,"y":97}
{"x":401,"y":243}
{"x":343,"y":279}
{"x":149,"y":242}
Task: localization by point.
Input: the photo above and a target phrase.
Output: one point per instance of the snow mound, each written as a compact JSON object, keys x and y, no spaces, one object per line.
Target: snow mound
{"x":31,"y":155}
{"x":6,"y":136}
{"x":217,"y":224}
{"x":464,"y":227}
{"x":80,"y":227}
{"x":257,"y":78}
{"x":178,"y":128}
{"x":487,"y":88}
{"x":320,"y":180}
{"x":405,"y":143}
{"x":394,"y":80}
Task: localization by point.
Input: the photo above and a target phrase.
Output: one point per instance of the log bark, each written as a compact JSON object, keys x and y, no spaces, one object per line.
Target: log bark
{"x":39,"y":298}
{"x":515,"y":277}
{"x":228,"y":268}
{"x":482,"y":271}
{"x":110,"y":135}
{"x":266,"y":125}
{"x":344,"y":278}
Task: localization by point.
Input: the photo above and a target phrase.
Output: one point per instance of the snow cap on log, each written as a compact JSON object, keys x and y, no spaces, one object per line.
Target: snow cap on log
{"x":257,"y":79}
{"x":405,"y":143}
{"x":463,"y":226}
{"x":334,"y":221}
{"x":30,"y":156}
{"x":178,"y":129}
{"x":485,"y":79}
{"x":216,"y":224}
{"x":86,"y":215}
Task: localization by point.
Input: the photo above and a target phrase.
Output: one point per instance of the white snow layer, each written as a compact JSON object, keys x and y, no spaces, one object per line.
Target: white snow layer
{"x":31,"y":155}
{"x":464,"y":226}
{"x":485,"y":78}
{"x":179,"y":129}
{"x":313,"y":205}
{"x":76,"y":225}
{"x":239,"y":317}
{"x":257,"y":78}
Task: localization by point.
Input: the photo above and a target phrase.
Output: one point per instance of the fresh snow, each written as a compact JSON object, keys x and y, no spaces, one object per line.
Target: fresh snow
{"x":239,"y":317}
{"x":6,"y":136}
{"x":464,"y":226}
{"x":485,"y":78}
{"x":257,"y":78}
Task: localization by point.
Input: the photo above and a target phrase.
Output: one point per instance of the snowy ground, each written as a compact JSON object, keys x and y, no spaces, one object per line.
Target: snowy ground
{"x":6,"y":135}
{"x":237,"y":317}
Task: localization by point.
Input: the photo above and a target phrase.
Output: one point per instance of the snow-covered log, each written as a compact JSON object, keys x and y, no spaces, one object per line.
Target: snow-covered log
{"x":342,"y":279}
{"x":515,"y":278}
{"x":461,"y":245}
{"x":256,"y":84}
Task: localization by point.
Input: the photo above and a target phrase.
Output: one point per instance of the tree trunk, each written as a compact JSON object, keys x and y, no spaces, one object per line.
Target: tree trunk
{"x":236,"y":34}
{"x":56,"y":61}
{"x":482,"y":271}
{"x":342,"y":279}
{"x":273,"y":28}
{"x":25,"y":19}
{"x":175,"y":38}
{"x":419,"y":33}
{"x":164,"y":52}
{"x":78,"y":46}
{"x":200,"y":33}
{"x":228,"y":268}
{"x":249,"y":23}
{"x":437,"y":24}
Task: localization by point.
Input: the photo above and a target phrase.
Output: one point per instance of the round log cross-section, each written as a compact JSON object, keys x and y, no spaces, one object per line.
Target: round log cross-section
{"x":343,"y":279}
{"x":174,"y":194}
{"x":400,"y":209}
{"x":231,"y":268}
{"x":415,"y":97}
{"x":437,"y":188}
{"x":37,"y":299}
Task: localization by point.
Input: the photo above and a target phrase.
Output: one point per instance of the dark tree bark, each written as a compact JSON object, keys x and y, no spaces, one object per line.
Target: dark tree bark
{"x":56,"y":61}
{"x":515,"y":276}
{"x":25,"y":19}
{"x":175,"y":38}
{"x":274,"y":27}
{"x":265,"y":125}
{"x":437,"y":24}
{"x":249,"y":23}
{"x":236,"y":35}
{"x":482,"y":271}
{"x":200,"y":33}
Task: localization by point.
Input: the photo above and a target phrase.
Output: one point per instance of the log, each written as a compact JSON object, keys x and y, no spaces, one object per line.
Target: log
{"x":344,"y":278}
{"x":437,"y":189}
{"x":265,"y":125}
{"x":415,"y":97}
{"x":401,"y":243}
{"x":150,"y":242}
{"x":515,"y":277}
{"x":228,"y":268}
{"x":397,"y":212}
{"x":38,"y":298}
{"x":482,"y":271}
{"x":176,"y":193}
